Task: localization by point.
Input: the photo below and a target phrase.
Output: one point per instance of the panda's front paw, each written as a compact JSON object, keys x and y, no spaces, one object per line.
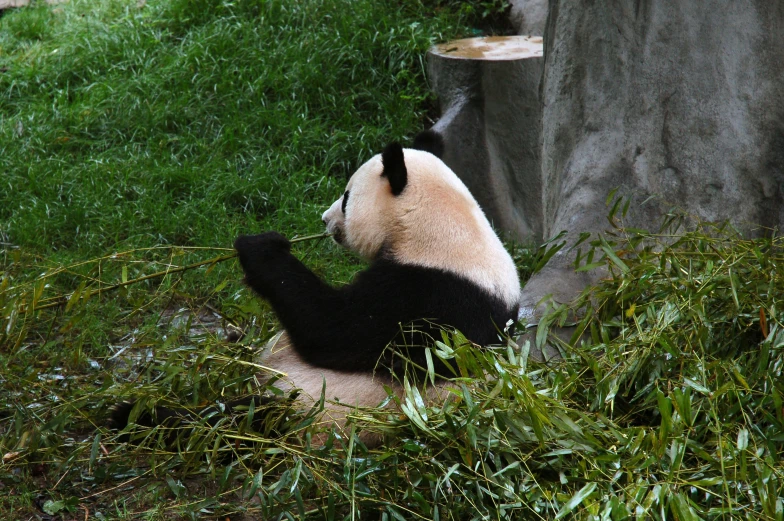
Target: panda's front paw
{"x":256,"y":249}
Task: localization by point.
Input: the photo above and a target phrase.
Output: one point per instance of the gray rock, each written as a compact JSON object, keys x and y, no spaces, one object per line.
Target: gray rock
{"x":488,"y":89}
{"x":676,"y":103}
{"x":681,"y":100}
{"x":528,"y":16}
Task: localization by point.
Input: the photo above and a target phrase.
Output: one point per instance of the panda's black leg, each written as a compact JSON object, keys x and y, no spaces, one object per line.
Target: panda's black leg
{"x":276,"y":275}
{"x":328,"y":327}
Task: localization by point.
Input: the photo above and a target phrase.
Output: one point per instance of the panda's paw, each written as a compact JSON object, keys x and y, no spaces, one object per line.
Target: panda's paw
{"x":253,"y":249}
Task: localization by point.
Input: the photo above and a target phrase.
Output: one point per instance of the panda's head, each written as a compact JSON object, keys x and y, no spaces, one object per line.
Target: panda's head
{"x":405,"y":204}
{"x":368,"y":218}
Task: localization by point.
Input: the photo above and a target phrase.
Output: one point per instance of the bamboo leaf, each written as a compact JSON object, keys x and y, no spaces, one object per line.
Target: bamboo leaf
{"x":95,"y":450}
{"x":575,"y":500}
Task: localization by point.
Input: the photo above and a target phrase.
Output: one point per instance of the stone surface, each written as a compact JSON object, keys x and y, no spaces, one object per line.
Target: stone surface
{"x":676,"y":103}
{"x":488,"y":89}
{"x":5,"y":4}
{"x":528,"y":16}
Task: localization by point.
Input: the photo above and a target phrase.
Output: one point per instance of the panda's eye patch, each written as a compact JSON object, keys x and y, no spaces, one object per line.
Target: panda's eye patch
{"x":345,"y":200}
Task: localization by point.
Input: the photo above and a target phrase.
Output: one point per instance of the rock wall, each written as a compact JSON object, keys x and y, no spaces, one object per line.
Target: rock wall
{"x":677,"y":103}
{"x":681,"y":100}
{"x":528,"y":16}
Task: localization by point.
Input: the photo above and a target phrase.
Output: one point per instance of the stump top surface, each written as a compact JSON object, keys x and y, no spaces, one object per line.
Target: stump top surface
{"x":493,"y":48}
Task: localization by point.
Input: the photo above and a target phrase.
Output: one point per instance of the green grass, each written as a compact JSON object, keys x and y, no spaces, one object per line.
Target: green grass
{"x":137,"y":139}
{"x":184,"y":122}
{"x":670,"y":408}
{"x":136,"y":136}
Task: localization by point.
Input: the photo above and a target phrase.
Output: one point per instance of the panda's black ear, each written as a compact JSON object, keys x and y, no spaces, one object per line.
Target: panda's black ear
{"x":394,"y":167}
{"x":430,"y":141}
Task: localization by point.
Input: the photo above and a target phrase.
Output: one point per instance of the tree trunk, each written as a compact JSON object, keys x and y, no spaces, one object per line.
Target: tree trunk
{"x":674,"y":102}
{"x":488,"y":89}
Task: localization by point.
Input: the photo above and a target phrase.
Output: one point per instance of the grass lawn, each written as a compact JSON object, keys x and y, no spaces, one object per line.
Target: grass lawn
{"x":138,"y":137}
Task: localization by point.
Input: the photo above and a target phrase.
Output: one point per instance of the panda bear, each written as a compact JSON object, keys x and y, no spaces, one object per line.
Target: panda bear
{"x":435,"y":261}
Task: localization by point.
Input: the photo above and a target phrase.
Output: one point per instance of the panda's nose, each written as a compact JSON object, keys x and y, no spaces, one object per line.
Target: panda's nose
{"x":324,"y":221}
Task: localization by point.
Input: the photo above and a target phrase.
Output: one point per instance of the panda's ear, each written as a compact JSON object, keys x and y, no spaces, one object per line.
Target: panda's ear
{"x":430,"y":141}
{"x":394,"y":167}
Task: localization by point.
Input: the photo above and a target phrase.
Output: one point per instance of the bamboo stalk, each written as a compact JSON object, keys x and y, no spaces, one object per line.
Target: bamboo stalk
{"x":63,"y":299}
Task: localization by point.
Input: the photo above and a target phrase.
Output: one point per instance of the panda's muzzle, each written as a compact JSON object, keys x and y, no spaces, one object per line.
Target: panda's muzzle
{"x":334,"y":220}
{"x":336,"y":231}
{"x":337,"y":236}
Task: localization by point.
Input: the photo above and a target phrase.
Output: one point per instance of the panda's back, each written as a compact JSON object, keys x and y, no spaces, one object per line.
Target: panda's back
{"x":443,"y":298}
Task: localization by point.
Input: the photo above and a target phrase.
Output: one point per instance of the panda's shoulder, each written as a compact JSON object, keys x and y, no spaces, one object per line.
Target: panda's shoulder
{"x":385,"y":271}
{"x":412,"y":280}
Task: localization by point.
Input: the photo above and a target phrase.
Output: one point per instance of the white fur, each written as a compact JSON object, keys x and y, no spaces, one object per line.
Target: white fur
{"x":435,"y":222}
{"x":344,"y":391}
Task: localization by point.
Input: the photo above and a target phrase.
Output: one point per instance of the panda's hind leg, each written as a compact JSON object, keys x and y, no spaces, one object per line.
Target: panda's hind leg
{"x":344,"y":391}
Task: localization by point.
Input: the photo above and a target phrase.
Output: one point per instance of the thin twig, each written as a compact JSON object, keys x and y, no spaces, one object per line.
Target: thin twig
{"x":63,"y":299}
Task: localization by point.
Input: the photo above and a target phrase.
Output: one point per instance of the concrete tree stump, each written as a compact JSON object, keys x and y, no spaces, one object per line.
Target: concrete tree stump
{"x":488,"y":89}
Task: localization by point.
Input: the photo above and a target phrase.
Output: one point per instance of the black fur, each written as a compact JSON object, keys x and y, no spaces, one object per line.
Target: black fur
{"x":348,"y":328}
{"x":395,"y":167}
{"x":345,"y":202}
{"x":430,"y":141}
